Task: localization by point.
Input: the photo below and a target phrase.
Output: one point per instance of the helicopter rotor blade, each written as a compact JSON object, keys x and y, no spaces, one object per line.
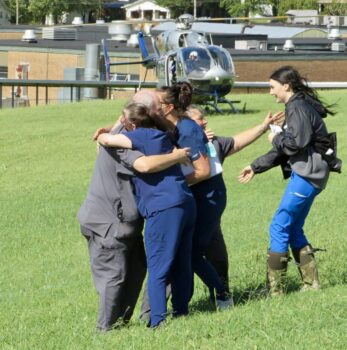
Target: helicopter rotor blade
{"x":127,"y":63}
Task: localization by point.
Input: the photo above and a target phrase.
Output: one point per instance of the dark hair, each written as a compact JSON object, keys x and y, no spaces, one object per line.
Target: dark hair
{"x":179,"y":95}
{"x":289,"y":75}
{"x":140,"y":115}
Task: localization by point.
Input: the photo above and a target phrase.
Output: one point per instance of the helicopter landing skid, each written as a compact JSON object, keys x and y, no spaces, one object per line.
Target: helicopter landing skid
{"x":214,"y":104}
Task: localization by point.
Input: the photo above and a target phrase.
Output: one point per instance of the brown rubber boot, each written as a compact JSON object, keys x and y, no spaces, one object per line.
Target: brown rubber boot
{"x":276,"y":272}
{"x":307,"y":267}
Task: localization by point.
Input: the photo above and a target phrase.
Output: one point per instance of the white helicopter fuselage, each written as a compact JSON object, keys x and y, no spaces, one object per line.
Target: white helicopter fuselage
{"x":211,"y":74}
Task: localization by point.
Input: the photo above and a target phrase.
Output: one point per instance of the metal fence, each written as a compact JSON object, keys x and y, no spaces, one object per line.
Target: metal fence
{"x":111,"y":85}
{"x":71,"y":84}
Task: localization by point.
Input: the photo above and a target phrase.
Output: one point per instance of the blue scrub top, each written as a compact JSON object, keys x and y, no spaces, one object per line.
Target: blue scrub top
{"x":164,"y":189}
{"x":190,"y":134}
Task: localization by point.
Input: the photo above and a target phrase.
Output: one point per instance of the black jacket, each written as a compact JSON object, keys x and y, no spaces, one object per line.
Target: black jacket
{"x":294,"y":146}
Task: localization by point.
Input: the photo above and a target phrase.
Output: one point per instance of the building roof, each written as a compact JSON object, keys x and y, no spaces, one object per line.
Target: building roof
{"x":94,"y":34}
{"x":223,"y":28}
{"x":306,"y":13}
{"x":114,"y":5}
{"x":139,"y":2}
{"x":68,"y":46}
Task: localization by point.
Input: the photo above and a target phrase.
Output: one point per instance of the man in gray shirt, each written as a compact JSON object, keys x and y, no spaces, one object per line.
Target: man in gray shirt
{"x":113,"y":228}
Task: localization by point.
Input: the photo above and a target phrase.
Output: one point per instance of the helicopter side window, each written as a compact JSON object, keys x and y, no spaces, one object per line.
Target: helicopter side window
{"x":221,"y":59}
{"x":182,"y":41}
{"x":215,"y":57}
{"x":172,"y":69}
{"x":179,"y":69}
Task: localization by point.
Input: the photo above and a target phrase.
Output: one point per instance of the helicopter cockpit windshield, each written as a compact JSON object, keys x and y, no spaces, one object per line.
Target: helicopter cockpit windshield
{"x":222,"y":59}
{"x":196,"y":60}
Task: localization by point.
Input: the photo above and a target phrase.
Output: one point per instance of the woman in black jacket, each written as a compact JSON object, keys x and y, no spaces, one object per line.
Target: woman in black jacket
{"x":294,"y":146}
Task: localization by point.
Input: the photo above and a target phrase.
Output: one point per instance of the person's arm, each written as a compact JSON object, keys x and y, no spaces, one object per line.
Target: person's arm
{"x":209,"y":134}
{"x":119,"y":140}
{"x":191,"y":135}
{"x":201,"y":170}
{"x":105,"y":129}
{"x":246,"y":174}
{"x":262,"y":164}
{"x":246,"y":137}
{"x":153,"y":164}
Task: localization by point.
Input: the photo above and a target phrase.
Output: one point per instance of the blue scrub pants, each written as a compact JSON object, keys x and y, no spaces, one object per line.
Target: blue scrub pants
{"x":287,"y":225}
{"x":209,"y":212}
{"x":168,"y":242}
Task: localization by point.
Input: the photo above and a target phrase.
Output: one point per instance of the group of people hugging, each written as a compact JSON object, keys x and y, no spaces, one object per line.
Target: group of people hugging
{"x":159,"y":171}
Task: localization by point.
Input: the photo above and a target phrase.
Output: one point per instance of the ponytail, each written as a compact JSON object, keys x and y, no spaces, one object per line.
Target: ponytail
{"x":179,"y":95}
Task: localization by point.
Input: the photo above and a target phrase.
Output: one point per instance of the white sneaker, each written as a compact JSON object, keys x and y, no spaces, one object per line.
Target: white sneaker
{"x":225,"y":304}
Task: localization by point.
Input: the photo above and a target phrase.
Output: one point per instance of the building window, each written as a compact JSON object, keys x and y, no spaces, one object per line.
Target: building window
{"x":162,"y":15}
{"x":3,"y":72}
{"x":135,"y":14}
{"x":148,"y":15}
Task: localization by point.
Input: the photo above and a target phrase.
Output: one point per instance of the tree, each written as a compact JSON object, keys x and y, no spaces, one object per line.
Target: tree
{"x":41,"y":8}
{"x":275,"y":4}
{"x":297,"y":5}
{"x":85,"y":6}
{"x":336,"y":8}
{"x":239,"y":8}
{"x":279,"y":8}
{"x":177,"y":7}
{"x":24,"y":14}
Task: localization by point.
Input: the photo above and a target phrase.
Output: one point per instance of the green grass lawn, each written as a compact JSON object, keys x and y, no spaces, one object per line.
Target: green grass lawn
{"x":47,"y":298}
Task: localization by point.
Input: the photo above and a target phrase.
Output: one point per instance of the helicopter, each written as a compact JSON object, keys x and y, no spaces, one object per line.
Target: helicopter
{"x":186,"y":55}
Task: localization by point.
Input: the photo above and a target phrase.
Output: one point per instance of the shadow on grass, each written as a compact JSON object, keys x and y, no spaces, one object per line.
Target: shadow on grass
{"x":245,"y":295}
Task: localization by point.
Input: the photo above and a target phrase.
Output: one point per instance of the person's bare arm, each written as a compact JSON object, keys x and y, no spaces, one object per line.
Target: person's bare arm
{"x":153,"y":164}
{"x":109,"y":140}
{"x":246,"y":137}
{"x":201,"y":170}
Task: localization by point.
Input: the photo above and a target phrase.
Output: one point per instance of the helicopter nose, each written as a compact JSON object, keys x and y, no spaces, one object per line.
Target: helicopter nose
{"x":217,"y":75}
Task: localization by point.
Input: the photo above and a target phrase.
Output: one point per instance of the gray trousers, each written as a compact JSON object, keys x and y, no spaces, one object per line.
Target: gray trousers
{"x":217,"y":255}
{"x":118,"y":267}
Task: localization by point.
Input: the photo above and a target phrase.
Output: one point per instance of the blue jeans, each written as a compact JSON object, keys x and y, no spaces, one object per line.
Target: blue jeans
{"x":287,"y":224}
{"x":168,"y":242}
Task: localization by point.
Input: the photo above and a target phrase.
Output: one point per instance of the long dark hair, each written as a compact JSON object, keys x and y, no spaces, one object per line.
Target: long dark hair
{"x":140,"y":115}
{"x":289,"y":75}
{"x":179,"y":95}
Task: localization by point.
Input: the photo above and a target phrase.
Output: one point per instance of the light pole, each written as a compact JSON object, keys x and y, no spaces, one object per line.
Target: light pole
{"x":194,"y":1}
{"x":17,"y":11}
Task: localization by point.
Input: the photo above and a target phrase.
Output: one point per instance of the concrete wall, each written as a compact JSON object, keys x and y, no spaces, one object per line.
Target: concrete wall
{"x":319,"y":70}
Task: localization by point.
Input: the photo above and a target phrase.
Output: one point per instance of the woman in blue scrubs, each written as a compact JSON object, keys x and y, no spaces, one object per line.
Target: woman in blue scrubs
{"x":208,"y":190}
{"x":166,"y":202}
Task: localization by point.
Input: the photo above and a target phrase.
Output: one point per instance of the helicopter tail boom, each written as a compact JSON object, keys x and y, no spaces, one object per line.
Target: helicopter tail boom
{"x":149,"y":61}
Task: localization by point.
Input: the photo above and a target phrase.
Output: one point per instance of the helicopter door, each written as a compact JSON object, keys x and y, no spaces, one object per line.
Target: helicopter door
{"x":161,"y":72}
{"x":171,"y":69}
